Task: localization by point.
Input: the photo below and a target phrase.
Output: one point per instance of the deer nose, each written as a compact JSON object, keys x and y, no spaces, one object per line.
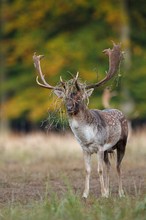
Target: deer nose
{"x":69,"y":108}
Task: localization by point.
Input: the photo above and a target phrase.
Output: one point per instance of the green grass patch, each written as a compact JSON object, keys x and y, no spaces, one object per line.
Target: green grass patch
{"x":72,"y":207}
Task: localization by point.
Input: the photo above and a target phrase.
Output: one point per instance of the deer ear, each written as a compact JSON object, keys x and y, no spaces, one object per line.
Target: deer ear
{"x":89,"y":92}
{"x":59,"y":93}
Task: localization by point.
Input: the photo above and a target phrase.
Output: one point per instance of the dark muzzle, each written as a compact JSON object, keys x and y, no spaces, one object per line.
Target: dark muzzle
{"x":69,"y":108}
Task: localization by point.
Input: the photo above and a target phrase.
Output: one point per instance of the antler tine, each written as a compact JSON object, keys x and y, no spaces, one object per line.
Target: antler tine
{"x":76,"y":77}
{"x":76,"y":81}
{"x":42,"y":85}
{"x":115,"y":55}
{"x":37,"y":65}
{"x":62,"y":82}
{"x":61,"y":79}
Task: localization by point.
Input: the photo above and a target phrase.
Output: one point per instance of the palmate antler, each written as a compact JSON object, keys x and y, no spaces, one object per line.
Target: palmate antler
{"x":37,"y":65}
{"x":115,"y":56}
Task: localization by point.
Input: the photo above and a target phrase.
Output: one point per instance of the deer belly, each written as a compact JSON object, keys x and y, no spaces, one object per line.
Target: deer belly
{"x":114,"y":134}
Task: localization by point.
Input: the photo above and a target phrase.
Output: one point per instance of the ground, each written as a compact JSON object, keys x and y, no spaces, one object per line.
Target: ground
{"x":34,"y":166}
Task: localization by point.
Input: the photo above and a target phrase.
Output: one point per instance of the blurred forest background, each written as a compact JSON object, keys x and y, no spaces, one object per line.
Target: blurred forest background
{"x":72,"y":35}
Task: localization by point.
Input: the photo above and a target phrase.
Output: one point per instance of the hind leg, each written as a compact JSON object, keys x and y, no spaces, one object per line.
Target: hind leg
{"x":107,"y":163}
{"x":120,"y":155}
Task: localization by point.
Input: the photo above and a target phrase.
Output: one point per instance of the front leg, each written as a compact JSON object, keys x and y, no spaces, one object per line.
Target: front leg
{"x":100,"y":157}
{"x":87,"y":160}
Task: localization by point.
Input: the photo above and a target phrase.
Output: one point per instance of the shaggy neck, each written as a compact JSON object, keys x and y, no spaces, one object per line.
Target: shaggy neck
{"x":85,"y":115}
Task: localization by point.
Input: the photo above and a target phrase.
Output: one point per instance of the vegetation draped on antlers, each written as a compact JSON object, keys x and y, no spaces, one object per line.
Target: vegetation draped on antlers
{"x":115,"y":55}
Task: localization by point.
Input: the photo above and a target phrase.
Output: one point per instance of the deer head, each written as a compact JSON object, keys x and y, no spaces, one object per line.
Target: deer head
{"x":74,"y":95}
{"x":72,"y":91}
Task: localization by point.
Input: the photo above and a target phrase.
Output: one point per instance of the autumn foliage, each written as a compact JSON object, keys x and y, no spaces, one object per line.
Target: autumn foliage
{"x":72,"y":36}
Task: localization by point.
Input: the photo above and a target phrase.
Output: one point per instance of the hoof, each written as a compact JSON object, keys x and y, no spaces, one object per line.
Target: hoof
{"x":84,"y":196}
{"x":105,"y":194}
{"x":121,"y":194}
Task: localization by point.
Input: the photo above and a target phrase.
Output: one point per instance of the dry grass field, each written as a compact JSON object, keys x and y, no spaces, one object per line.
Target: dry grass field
{"x":42,"y":177}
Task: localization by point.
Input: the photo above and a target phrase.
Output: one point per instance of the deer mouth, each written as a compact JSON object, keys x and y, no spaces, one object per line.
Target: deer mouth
{"x":70,"y":111}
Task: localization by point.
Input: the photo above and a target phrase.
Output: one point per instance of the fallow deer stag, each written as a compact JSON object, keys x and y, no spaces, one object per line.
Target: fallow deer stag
{"x":97,"y":131}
